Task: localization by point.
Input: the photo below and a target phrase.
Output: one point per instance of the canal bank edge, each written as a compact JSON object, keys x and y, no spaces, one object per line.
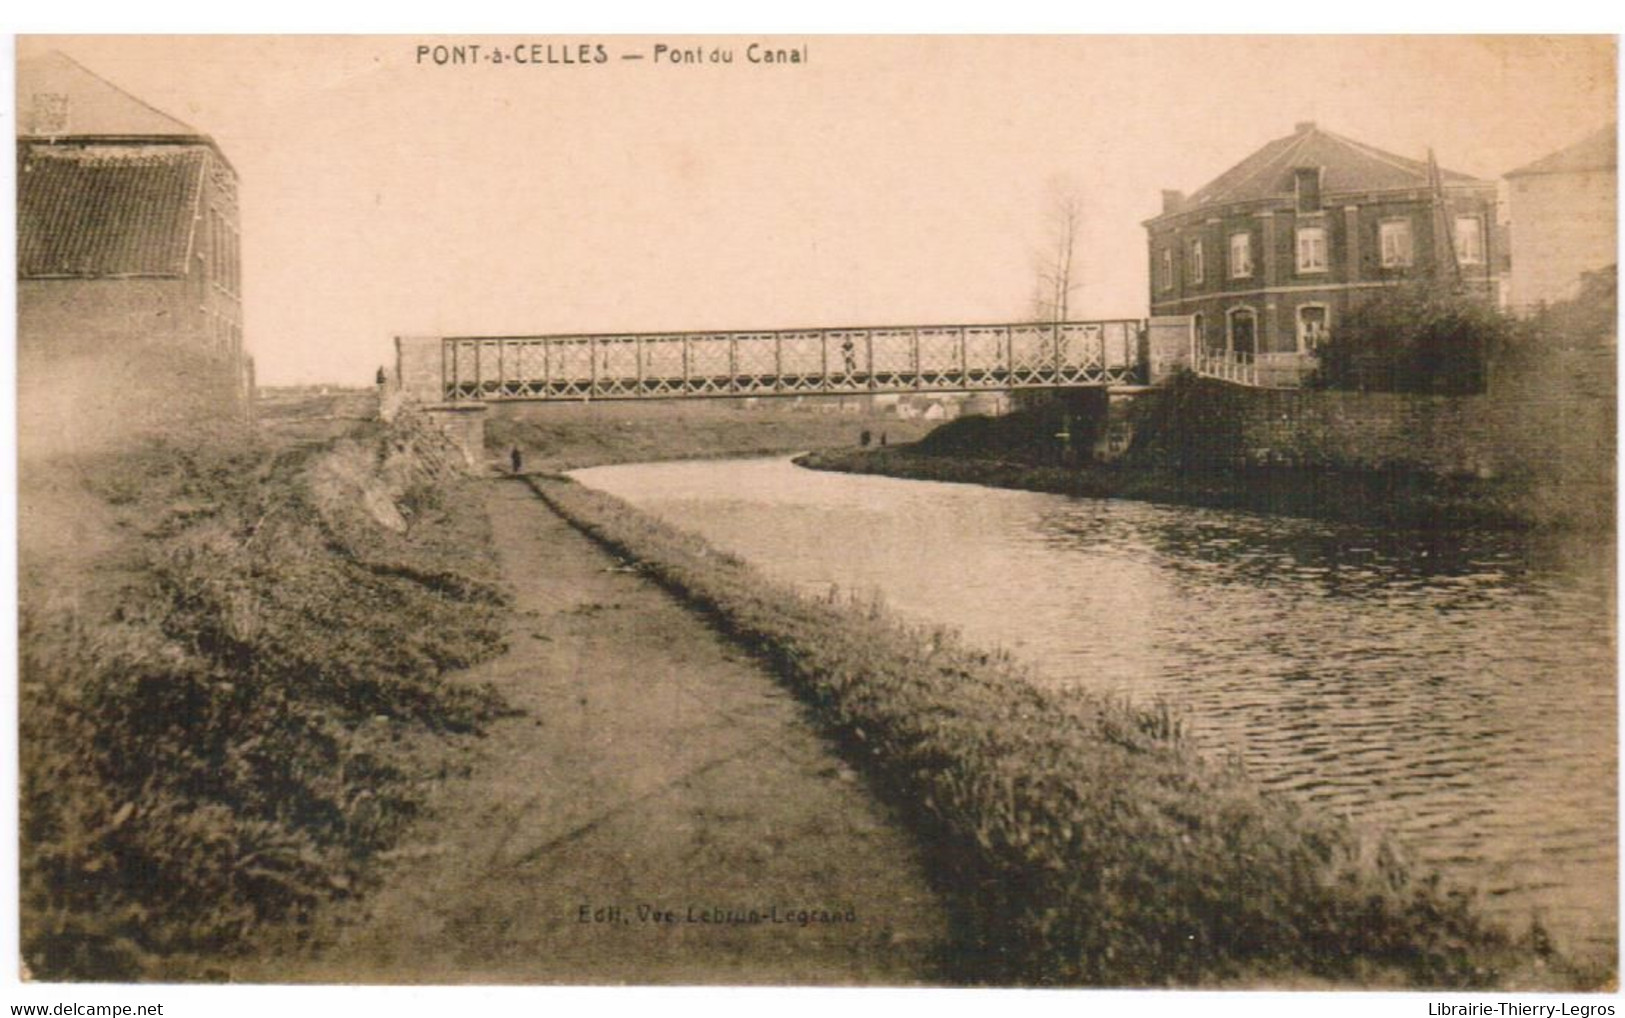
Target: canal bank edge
{"x":1385,"y":499}
{"x":1080,"y":841}
{"x":1535,"y":452}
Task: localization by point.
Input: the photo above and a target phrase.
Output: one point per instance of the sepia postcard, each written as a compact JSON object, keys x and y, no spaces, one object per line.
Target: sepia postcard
{"x":808,"y":511}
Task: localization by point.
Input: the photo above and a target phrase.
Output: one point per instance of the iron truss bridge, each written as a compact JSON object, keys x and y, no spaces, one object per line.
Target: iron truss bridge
{"x":793,"y":362}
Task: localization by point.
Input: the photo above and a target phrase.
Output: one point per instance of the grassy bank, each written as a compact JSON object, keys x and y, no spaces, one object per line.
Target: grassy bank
{"x":567,"y":437}
{"x":1386,"y":498}
{"x":220,"y":707}
{"x":1079,"y":839}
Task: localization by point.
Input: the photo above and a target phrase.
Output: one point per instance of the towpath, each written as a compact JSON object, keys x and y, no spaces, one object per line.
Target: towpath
{"x":657,"y":768}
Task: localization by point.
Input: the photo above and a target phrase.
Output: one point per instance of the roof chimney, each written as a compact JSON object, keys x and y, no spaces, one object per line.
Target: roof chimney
{"x":1303,"y":127}
{"x":1172,"y":201}
{"x":48,"y":114}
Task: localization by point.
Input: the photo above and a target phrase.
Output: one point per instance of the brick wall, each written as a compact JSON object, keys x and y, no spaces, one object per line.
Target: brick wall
{"x":104,"y":362}
{"x":109,"y":399}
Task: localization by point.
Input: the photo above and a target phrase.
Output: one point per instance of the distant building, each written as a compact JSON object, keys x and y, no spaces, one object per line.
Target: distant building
{"x":128,"y":260}
{"x":1270,"y":255}
{"x":1564,"y":210}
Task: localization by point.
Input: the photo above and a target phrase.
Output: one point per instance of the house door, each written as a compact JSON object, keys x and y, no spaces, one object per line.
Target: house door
{"x":1199,"y":328}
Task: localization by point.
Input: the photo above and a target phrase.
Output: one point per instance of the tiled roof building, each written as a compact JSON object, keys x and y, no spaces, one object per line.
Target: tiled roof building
{"x":1268,"y":256}
{"x":127,"y":242}
{"x":1564,"y":219}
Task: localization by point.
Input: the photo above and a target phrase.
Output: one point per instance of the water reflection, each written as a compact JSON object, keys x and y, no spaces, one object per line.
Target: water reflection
{"x":1456,"y":688}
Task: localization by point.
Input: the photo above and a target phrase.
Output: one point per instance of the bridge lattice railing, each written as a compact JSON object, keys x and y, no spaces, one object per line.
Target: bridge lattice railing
{"x":793,"y":362}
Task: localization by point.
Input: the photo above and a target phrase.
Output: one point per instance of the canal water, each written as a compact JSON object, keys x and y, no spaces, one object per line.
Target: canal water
{"x":1457,"y":690}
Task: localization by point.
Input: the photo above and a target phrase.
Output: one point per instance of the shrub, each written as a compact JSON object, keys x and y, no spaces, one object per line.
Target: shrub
{"x":1028,"y":435}
{"x":1590,"y":318}
{"x":1414,"y":337}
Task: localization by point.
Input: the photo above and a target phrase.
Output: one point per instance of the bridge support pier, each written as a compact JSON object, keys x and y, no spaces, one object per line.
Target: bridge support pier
{"x":1117,"y":432}
{"x":464,"y":424}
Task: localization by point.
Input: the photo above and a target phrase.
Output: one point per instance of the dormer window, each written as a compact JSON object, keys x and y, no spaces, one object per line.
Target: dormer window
{"x":1306,"y":180}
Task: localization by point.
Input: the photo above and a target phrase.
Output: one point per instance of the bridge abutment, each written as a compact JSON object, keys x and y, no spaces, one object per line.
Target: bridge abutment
{"x":417,"y":383}
{"x":464,"y":424}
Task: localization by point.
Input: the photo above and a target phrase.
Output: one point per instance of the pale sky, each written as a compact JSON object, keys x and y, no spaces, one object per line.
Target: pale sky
{"x":889,"y":180}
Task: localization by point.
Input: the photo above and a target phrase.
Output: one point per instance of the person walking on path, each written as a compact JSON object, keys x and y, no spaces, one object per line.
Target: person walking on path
{"x":516,"y":459}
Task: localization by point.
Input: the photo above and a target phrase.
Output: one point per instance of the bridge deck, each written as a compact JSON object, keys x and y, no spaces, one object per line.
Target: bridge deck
{"x":791,"y":362}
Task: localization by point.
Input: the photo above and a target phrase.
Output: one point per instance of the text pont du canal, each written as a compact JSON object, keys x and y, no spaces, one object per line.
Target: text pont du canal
{"x":590,"y":54}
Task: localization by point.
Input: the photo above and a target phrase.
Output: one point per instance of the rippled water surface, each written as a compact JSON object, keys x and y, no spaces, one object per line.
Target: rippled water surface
{"x":1458,"y":690}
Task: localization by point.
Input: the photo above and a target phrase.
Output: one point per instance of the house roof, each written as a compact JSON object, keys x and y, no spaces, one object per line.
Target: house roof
{"x":106,"y":210}
{"x":1596,"y":151}
{"x":1346,"y":166}
{"x":58,"y":98}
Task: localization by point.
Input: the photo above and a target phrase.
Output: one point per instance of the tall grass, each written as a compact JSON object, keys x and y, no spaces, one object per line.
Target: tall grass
{"x":1080,"y":839}
{"x":224,"y":747}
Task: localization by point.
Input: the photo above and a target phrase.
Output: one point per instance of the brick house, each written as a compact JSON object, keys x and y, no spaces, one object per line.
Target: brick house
{"x":1564,"y":217}
{"x":1270,"y":255}
{"x":127,"y":255}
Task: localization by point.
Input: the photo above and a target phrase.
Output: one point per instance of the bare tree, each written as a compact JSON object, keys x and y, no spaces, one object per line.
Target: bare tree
{"x":1056,"y":277}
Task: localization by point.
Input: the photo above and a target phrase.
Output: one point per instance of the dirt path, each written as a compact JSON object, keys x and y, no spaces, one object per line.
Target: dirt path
{"x":655,"y":766}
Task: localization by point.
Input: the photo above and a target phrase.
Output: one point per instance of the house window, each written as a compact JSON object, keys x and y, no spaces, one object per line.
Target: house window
{"x":1194,"y":261}
{"x":1241,"y":331}
{"x":1199,"y":330}
{"x":211,"y":249}
{"x":1469,"y":240}
{"x":1241,"y":255}
{"x":1312,"y":249}
{"x":1394,"y":238}
{"x":1312,"y":321}
{"x":1166,"y":270}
